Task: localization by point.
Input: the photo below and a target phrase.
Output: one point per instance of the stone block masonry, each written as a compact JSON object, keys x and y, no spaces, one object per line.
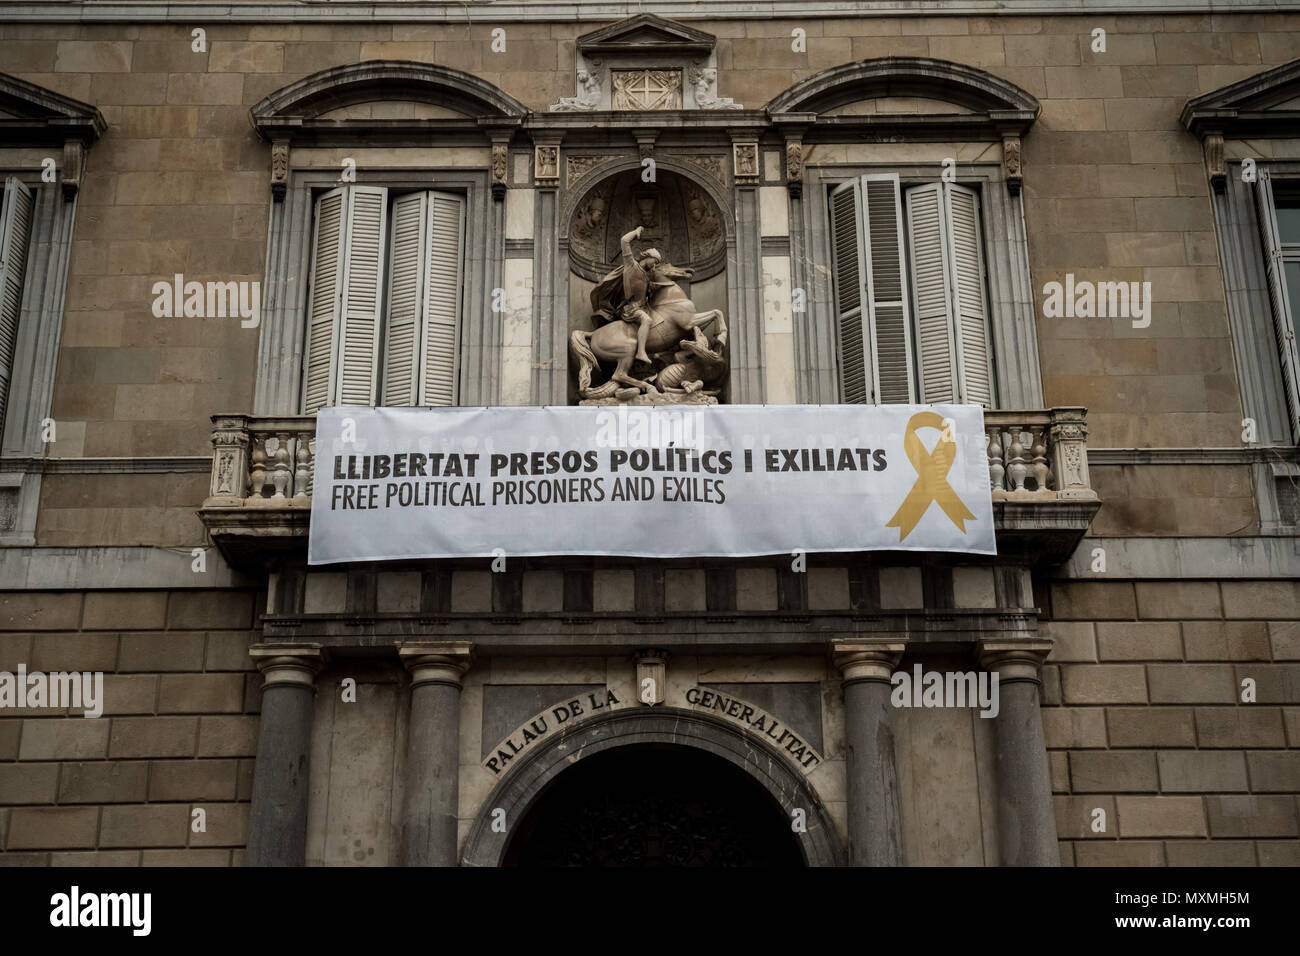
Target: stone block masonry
{"x":1177,"y":720}
{"x":178,"y":732}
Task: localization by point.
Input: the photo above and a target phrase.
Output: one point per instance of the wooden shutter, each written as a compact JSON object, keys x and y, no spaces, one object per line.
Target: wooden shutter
{"x":850,"y":284}
{"x":405,"y":295}
{"x":323,"y":304}
{"x":344,"y":306}
{"x":1283,"y":309}
{"x":442,"y":299}
{"x":970,"y":302}
{"x":870,"y":291}
{"x":15,"y":231}
{"x":948,"y":286}
{"x":887,"y":299}
{"x":363,"y":273}
{"x":930,"y":286}
{"x":424,"y":296}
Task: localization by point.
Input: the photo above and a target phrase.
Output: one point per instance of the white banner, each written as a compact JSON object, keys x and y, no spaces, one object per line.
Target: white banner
{"x":665,"y":482}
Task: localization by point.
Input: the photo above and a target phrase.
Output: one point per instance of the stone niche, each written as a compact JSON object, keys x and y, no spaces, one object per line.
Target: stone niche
{"x":680,"y":219}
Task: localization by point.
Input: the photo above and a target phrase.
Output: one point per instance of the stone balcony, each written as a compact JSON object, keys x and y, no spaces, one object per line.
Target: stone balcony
{"x":259,"y":506}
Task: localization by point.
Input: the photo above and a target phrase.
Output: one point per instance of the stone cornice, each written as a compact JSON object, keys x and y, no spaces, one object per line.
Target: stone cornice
{"x":1250,"y":455}
{"x":568,"y":11}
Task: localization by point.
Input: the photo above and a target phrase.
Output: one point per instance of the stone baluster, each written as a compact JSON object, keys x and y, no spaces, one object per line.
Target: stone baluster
{"x":302,"y":474}
{"x":257,"y":467}
{"x":1017,"y":466}
{"x":1069,"y":434}
{"x":1038,"y":454}
{"x":311,"y":471}
{"x":997,"y":470}
{"x":281,"y":474}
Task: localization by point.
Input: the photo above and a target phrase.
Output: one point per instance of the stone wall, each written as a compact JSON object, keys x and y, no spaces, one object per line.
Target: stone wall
{"x":178,"y":731}
{"x":1144,"y":719}
{"x":1115,"y":189}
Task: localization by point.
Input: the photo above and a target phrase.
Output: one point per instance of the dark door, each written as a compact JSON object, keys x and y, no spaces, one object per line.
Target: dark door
{"x":654,"y":806}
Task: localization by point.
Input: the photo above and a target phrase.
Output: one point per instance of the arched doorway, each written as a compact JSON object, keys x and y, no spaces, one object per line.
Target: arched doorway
{"x":503,"y":812}
{"x":654,"y":806}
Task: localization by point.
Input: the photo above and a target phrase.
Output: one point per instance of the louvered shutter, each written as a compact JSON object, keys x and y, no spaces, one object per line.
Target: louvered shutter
{"x":346,"y":275}
{"x":363,"y":273}
{"x":850,"y":280}
{"x":323,"y":305}
{"x":15,"y":230}
{"x":930,"y":287}
{"x":405,"y":294}
{"x":442,"y":297}
{"x":1283,"y":309}
{"x":887,"y":298}
{"x":948,"y":288}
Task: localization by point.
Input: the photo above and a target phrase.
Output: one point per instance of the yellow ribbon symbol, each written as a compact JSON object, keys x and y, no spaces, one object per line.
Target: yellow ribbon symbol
{"x":932,"y":477}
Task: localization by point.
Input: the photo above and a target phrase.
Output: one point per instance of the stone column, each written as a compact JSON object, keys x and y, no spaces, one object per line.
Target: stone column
{"x":875,"y":816}
{"x":277,"y":827}
{"x":432,"y":801}
{"x":1026,"y":818}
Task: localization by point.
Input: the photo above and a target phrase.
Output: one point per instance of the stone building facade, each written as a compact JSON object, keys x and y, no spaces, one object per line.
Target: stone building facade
{"x":1142,"y":613}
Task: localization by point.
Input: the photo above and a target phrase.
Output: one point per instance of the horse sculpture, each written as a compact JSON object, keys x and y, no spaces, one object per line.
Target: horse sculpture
{"x":671,"y":314}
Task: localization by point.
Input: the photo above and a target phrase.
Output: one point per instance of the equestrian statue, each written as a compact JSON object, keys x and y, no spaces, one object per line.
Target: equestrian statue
{"x":640,"y":314}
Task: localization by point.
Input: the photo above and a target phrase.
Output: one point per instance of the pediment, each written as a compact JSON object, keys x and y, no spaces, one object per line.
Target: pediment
{"x":646,"y":33}
{"x":1265,"y":104}
{"x":31,"y":113}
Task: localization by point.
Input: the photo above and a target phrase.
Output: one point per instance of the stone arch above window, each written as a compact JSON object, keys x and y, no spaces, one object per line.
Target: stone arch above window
{"x":975,"y":91}
{"x":382,"y":80}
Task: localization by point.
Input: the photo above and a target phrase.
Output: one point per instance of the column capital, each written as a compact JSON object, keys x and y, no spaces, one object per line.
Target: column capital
{"x":435,"y":662}
{"x":1014,"y":660}
{"x":289,"y":663}
{"x":867,"y":660}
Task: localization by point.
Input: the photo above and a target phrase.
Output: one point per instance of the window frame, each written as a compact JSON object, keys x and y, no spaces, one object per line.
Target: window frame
{"x":282,"y":346}
{"x":1011,"y":304}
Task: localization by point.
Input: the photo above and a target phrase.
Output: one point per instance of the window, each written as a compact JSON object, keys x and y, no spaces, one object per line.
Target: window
{"x":910,"y":299}
{"x":385,"y":298}
{"x":16,"y":210}
{"x":1278,"y":206}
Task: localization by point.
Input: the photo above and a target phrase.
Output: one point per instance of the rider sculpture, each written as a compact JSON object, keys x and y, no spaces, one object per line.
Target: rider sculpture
{"x":639,"y":310}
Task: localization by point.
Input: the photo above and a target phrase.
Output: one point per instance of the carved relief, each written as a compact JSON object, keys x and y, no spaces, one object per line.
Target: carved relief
{"x":794,"y":166}
{"x":546,"y":162}
{"x":279,"y":169}
{"x":1214,"y":162}
{"x":647,"y":89}
{"x":74,"y":162}
{"x":1011,"y":163}
{"x":704,"y":82}
{"x":702,"y":223}
{"x":673,"y":215}
{"x":500,"y":164}
{"x":710,"y":164}
{"x":578,"y":167}
{"x":587,"y":237}
{"x":744,"y":157}
{"x":588,"y":97}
